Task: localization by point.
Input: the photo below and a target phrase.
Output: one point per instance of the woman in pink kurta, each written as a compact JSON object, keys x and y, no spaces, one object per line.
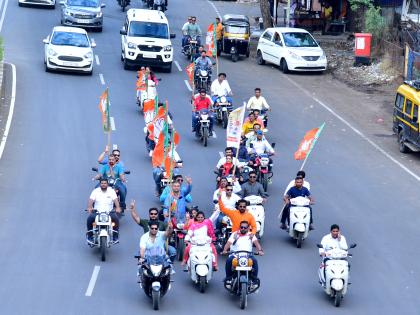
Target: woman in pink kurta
{"x":201,"y":227}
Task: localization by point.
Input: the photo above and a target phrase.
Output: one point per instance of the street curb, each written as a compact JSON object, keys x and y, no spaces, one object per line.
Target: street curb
{"x":1,"y":74}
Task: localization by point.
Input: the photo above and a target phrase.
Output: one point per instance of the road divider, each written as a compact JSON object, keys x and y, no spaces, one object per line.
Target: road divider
{"x":101,"y":77}
{"x":178,"y":66}
{"x":92,"y":281}
{"x":97,"y":60}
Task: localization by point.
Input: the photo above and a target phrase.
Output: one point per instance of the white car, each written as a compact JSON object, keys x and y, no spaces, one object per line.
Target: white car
{"x":68,"y":49}
{"x":293,"y":49}
{"x":42,"y":3}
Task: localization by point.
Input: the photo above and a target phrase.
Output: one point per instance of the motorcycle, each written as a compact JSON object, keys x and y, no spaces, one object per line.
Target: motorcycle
{"x":200,"y":262}
{"x":159,"y":5}
{"x":149,"y":93}
{"x":263,"y":168}
{"x":223,"y":107}
{"x":334,"y":273}
{"x":191,"y":49}
{"x":257,"y":210}
{"x":223,"y":235}
{"x":165,"y":179}
{"x":300,"y":216}
{"x":202,"y":80}
{"x":203,"y":126}
{"x":154,"y":275}
{"x":241,"y":283}
{"x":123,"y":4}
{"x":178,"y":238}
{"x":103,"y":233}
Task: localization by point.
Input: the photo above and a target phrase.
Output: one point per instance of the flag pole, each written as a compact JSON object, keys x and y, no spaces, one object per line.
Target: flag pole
{"x":313,"y":144}
{"x":237,"y":151}
{"x":109,"y":120}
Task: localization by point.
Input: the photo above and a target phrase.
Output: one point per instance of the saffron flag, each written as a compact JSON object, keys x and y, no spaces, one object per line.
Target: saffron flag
{"x":104,"y":108}
{"x":211,"y":40}
{"x":190,"y":71}
{"x":234,"y":127}
{"x":148,"y":111}
{"x":308,"y":142}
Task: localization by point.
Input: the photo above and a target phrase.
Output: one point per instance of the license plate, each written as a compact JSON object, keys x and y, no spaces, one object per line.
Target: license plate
{"x":70,"y":64}
{"x":149,"y":55}
{"x":82,"y":21}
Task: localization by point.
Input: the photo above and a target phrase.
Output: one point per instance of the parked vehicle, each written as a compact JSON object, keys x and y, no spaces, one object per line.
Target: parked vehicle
{"x":236,"y":33}
{"x":292,"y":49}
{"x":334,"y":277}
{"x":406,"y":116}
{"x":68,"y":49}
{"x":200,"y":262}
{"x":82,"y":13}
{"x":154,"y":275}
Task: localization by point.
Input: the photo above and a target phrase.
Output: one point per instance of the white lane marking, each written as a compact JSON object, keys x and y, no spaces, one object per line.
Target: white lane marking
{"x":222,"y":155}
{"x":92,"y":281}
{"x":178,"y":66}
{"x":101,"y":77}
{"x":357,"y":131}
{"x":188,"y":85}
{"x":215,"y":9}
{"x":112,"y":121}
{"x":214,"y":134}
{"x":11,"y":110}
{"x":3,"y":14}
{"x":97,"y":60}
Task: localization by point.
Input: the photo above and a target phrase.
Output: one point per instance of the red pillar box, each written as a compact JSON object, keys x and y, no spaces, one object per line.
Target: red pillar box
{"x":362,"y":45}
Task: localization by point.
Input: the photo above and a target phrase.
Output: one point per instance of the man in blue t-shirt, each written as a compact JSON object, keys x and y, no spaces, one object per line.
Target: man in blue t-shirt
{"x":296,"y":191}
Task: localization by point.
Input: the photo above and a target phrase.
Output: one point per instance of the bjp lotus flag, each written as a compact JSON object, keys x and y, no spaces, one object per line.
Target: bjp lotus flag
{"x":308,"y":142}
{"x":148,"y":111}
{"x":211,"y":40}
{"x":190,"y":71}
{"x":104,"y":108}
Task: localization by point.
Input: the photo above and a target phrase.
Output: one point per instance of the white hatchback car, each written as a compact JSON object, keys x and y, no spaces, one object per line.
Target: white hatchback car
{"x":68,"y":49}
{"x":42,"y":3}
{"x":293,"y":49}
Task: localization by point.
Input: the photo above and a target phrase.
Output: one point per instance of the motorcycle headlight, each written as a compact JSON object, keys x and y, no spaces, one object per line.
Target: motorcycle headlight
{"x":156,"y":269}
{"x":131,"y":45}
{"x":89,"y":55}
{"x":293,"y":55}
{"x":223,"y":99}
{"x":103,"y":217}
{"x":52,"y":52}
{"x":203,"y":73}
{"x":167,"y":48}
{"x":243,"y":262}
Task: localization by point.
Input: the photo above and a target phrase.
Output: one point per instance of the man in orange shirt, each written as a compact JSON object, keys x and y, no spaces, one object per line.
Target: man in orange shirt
{"x":238,"y":215}
{"x":219,"y":35}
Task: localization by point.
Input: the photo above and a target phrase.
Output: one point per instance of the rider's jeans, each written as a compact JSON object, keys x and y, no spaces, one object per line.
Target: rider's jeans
{"x":123,"y":193}
{"x":229,"y":271}
{"x":196,"y":117}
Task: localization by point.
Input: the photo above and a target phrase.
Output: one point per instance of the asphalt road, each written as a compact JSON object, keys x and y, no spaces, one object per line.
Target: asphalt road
{"x":56,"y":137}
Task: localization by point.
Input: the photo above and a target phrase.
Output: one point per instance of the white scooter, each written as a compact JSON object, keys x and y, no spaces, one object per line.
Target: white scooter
{"x":148,"y":94}
{"x":257,"y":210}
{"x":200,"y":262}
{"x":300,"y":216}
{"x":334,"y":273}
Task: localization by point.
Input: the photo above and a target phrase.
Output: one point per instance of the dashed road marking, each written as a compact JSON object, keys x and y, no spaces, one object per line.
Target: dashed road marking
{"x":101,"y":77}
{"x":188,"y":85}
{"x":178,"y":66}
{"x":215,"y":9}
{"x":92,"y":281}
{"x":97,"y":60}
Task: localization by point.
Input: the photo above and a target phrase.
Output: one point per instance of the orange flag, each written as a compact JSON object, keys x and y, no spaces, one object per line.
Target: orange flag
{"x":148,"y":111}
{"x":190,"y":71}
{"x":211,"y":40}
{"x":308,"y":142}
{"x":158,"y":152}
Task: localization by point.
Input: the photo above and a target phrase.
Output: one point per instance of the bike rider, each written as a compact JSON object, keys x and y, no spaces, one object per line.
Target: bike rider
{"x":220,"y":87}
{"x":144,"y":223}
{"x":252,"y":187}
{"x":229,"y":199}
{"x":191,"y":30}
{"x":242,"y":240}
{"x":292,"y":182}
{"x":103,"y":157}
{"x":203,"y":63}
{"x":238,"y":215}
{"x":175,"y":203}
{"x":261,"y":146}
{"x":250,"y":121}
{"x":202,"y":102}
{"x":176,"y":178}
{"x":258,"y":102}
{"x":228,"y":152}
{"x":298,"y":190}
{"x":330,"y":241}
{"x":116,"y":172}
{"x":103,"y":199}
{"x":155,"y":238}
{"x":198,"y":54}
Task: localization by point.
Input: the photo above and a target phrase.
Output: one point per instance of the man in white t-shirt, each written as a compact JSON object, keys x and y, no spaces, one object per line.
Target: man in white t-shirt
{"x":103,"y":199}
{"x":242,"y":240}
{"x":228,"y":152}
{"x":292,"y":182}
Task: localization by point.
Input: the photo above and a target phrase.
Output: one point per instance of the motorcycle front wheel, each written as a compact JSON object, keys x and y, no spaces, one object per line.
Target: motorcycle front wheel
{"x":243,"y":299}
{"x":205,"y":136}
{"x":264,"y":180}
{"x":202,"y":283}
{"x":225,"y":119}
{"x":155,"y":299}
{"x":102,"y":247}
{"x":337,"y":298}
{"x":180,"y":249}
{"x":299,"y":240}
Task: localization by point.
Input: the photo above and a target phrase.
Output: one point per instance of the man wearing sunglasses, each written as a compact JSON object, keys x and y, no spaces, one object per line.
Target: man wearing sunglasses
{"x":144,"y":223}
{"x":238,"y":215}
{"x":229,"y":199}
{"x":252,"y":187}
{"x":155,"y":238}
{"x":184,"y":187}
{"x":175,"y":203}
{"x":103,"y":157}
{"x":242,"y":240}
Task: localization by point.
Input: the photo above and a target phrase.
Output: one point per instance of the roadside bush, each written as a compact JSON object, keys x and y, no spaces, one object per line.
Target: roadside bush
{"x":375,"y":24}
{"x":1,"y":49}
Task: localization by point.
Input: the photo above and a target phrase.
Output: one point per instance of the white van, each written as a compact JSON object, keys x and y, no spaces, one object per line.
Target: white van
{"x":145,"y":40}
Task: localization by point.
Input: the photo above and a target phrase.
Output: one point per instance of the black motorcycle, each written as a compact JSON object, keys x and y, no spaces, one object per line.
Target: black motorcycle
{"x":191,"y":48}
{"x":223,"y":234}
{"x":202,"y":80}
{"x":223,"y":107}
{"x":241,"y":283}
{"x":154,"y":274}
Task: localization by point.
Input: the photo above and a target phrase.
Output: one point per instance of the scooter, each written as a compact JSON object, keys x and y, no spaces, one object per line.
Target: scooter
{"x":334,"y":273}
{"x":103,"y":233}
{"x":223,"y":107}
{"x":300,"y":216}
{"x":200,"y":262}
{"x":256,"y":208}
{"x":154,"y":275}
{"x":241,"y":283}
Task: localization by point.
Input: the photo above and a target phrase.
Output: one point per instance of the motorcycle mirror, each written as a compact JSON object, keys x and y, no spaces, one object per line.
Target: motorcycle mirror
{"x":123,"y":31}
{"x":273,"y":144}
{"x":172,"y":35}
{"x":95,"y":169}
{"x":179,"y":162}
{"x":319,"y":246}
{"x":127,"y":172}
{"x":353,"y":245}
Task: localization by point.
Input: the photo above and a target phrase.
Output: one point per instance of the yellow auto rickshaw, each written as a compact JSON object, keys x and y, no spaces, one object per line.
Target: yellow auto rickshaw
{"x":236,"y":33}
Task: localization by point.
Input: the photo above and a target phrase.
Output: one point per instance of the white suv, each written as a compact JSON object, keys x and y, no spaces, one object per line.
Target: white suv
{"x":145,"y":40}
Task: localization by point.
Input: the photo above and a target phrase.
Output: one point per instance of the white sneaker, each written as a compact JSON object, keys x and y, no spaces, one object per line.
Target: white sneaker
{"x":151,"y":153}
